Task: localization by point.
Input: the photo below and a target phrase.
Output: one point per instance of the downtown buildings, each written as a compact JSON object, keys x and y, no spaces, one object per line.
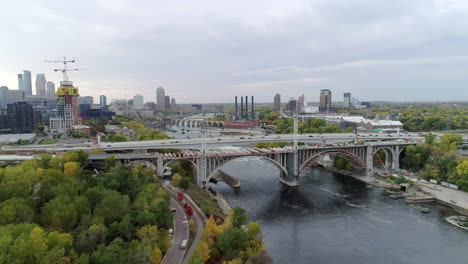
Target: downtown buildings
{"x":50,"y":90}
{"x":160,"y":98}
{"x":277,"y":103}
{"x":325,"y":101}
{"x":40,"y":84}
{"x":347,"y":100}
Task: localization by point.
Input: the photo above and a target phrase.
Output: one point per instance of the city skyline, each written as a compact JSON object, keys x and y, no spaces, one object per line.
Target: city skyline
{"x":392,"y":51}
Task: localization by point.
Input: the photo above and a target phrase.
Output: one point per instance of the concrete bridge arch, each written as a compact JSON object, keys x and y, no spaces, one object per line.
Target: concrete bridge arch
{"x":214,"y":170}
{"x":356,"y":160}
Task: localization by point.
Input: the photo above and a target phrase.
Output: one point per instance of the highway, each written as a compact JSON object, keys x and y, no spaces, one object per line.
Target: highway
{"x":215,"y":142}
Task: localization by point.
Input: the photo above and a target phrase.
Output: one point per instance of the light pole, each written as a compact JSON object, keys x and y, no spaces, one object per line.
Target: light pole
{"x":296,"y":160}
{"x":203,"y":156}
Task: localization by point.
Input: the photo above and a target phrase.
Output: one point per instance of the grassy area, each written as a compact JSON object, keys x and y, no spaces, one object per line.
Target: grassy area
{"x":208,"y":205}
{"x":48,"y":141}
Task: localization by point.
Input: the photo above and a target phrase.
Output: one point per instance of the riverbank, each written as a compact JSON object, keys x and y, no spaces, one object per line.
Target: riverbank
{"x":454,"y":199}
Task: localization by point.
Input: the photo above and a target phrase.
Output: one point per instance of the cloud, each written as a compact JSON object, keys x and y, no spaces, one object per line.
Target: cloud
{"x":207,"y":51}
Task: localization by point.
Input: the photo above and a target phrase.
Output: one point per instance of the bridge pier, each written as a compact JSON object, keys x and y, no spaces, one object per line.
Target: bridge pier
{"x":370,"y":160}
{"x":160,"y":167}
{"x":291,"y":178}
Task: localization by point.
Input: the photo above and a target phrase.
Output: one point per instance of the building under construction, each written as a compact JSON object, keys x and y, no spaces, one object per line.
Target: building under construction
{"x":68,"y":111}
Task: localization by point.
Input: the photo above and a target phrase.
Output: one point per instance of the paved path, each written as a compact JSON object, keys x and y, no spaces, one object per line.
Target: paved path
{"x":447,"y":195}
{"x":175,"y":254}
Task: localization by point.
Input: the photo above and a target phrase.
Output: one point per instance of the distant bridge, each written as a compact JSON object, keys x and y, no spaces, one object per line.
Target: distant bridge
{"x":197,"y":123}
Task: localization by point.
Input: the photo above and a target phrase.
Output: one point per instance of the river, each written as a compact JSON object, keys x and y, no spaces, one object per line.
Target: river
{"x":331,"y":218}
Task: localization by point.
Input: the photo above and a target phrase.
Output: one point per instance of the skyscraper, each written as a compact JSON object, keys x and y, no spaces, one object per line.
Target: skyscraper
{"x":325,"y":100}
{"x":3,"y":96}
{"x":20,"y":82}
{"x":300,"y":103}
{"x":138,"y":103}
{"x":27,"y":83}
{"x":292,"y":105}
{"x":160,"y":98}
{"x":40,"y":84}
{"x":50,"y":89}
{"x":347,"y":100}
{"x":167,"y":102}
{"x":173,"y":104}
{"x":277,"y":103}
{"x":103,"y":100}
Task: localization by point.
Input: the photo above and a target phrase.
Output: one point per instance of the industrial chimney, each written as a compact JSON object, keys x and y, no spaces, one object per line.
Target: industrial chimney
{"x":236,"y":113}
{"x":242,"y":107}
{"x":246,"y":108}
{"x":252,"y":117}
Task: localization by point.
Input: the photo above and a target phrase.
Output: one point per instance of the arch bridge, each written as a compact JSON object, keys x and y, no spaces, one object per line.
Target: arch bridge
{"x":206,"y":165}
{"x":197,"y":123}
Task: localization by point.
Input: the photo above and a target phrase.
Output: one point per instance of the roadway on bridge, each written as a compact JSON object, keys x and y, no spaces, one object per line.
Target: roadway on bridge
{"x":216,"y":142}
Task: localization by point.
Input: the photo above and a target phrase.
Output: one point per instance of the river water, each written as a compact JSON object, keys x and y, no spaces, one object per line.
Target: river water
{"x":332,"y":218}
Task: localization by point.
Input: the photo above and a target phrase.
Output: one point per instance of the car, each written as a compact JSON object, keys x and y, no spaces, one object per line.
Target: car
{"x":311,"y":136}
{"x":173,"y":209}
{"x":108,"y":145}
{"x":183,"y":245}
{"x":263,"y":137}
{"x":250,"y":138}
{"x":170,"y":231}
{"x":219,"y":139}
{"x":242,"y":138}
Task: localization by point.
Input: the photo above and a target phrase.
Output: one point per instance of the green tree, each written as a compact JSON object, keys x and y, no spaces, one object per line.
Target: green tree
{"x":430,"y":139}
{"x":185,"y":183}
{"x":16,"y":210}
{"x":450,"y":141}
{"x":176,"y":179}
{"x":239,"y":217}
{"x":233,"y":241}
{"x":196,"y":259}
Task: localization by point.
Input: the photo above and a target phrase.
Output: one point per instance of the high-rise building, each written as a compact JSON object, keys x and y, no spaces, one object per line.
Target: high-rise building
{"x":292,"y":105}
{"x":20,"y":82}
{"x":103,"y":100}
{"x":138,"y":103}
{"x":68,"y":114}
{"x":277,"y":103}
{"x":50,"y":90}
{"x":20,"y":118}
{"x":325,"y":101}
{"x":347,"y":100}
{"x":14,"y":96}
{"x":3,"y":97}
{"x":86,"y":100}
{"x":300,"y":104}
{"x":41,"y":84}
{"x":167,"y":102}
{"x":160,"y":98}
{"x":173,"y":104}
{"x":27,"y":83}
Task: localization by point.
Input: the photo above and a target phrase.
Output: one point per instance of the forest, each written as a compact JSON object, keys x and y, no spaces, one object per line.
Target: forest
{"x":54,"y":210}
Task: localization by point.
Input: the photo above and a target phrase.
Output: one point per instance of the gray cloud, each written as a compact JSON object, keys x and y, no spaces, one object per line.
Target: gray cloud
{"x":209,"y":51}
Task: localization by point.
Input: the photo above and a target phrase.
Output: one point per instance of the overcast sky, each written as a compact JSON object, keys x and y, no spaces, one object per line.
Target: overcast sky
{"x":210,"y":51}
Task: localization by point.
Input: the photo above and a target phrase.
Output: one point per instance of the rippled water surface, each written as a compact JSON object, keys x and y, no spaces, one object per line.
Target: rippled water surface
{"x":335,"y":219}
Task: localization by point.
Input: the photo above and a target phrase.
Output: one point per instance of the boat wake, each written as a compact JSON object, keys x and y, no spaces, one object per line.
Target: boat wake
{"x":333,"y":193}
{"x":354,"y":205}
{"x":459,"y":221}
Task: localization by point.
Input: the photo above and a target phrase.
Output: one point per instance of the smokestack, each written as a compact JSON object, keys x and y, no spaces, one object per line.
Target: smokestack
{"x":237,"y":113}
{"x":242,"y":107}
{"x":246,"y":108}
{"x":252,"y":116}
